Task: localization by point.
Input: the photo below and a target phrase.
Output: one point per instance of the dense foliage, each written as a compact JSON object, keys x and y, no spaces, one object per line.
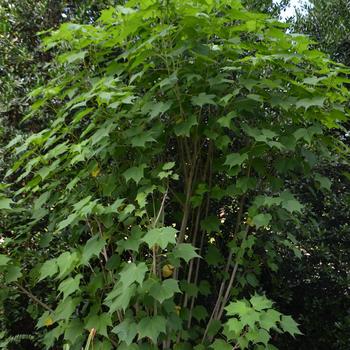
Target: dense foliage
{"x":159,"y":200}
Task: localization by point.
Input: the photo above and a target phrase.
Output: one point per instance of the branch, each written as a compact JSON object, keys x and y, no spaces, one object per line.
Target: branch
{"x":217,"y":308}
{"x":161,"y":208}
{"x":33,"y":297}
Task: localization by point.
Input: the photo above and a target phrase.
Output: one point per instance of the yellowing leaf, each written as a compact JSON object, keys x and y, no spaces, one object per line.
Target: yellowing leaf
{"x":167,"y":270}
{"x":48,"y":322}
{"x":177,"y":309}
{"x":96,"y":172}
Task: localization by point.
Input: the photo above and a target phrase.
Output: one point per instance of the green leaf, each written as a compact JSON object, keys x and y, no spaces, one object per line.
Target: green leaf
{"x":170,"y":81}
{"x":4,"y":260}
{"x":250,"y":318}
{"x":141,"y":139}
{"x":316,"y":101}
{"x":214,"y":256}
{"x":66,"y":262}
{"x":252,"y":280}
{"x":239,"y":307}
{"x":235,"y":159}
{"x":5,"y":203}
{"x":124,"y":346}
{"x":74,"y":330}
{"x":93,"y":247}
{"x":151,"y":327}
{"x":126,"y":331}
{"x":203,"y":99}
{"x":162,"y":237}
{"x":225,"y":121}
{"x":72,"y":57}
{"x":303,"y":133}
{"x":191,"y":289}
{"x":48,"y":269}
{"x":290,"y":203}
{"x":168,"y":166}
{"x":70,"y":285}
{"x":51,"y":336}
{"x":260,"y":135}
{"x":214,"y":328}
{"x":165,"y":290}
{"x":307,"y":134}
{"x":200,"y":313}
{"x":204,"y":288}
{"x":78,"y":206}
{"x":258,"y":336}
{"x":68,"y":221}
{"x":100,"y":323}
{"x":236,"y":326}
{"x":65,"y":308}
{"x":133,"y":273}
{"x":211,"y":224}
{"x":261,"y":220}
{"x":324,"y":182}
{"x":131,"y":243}
{"x":199,"y":347}
{"x":119,"y":298}
{"x":159,"y":108}
{"x":105,"y":129}
{"x":269,"y":319}
{"x":184,"y":128}
{"x":185,"y":251}
{"x":246,"y":183}
{"x":289,"y":142}
{"x":267,"y":201}
{"x":220,"y":344}
{"x":135,"y":173}
{"x":289,"y":325}
{"x":260,"y":302}
{"x":13,"y":273}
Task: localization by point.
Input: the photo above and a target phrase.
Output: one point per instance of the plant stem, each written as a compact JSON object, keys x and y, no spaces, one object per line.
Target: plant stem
{"x":217,"y":308}
{"x":33,"y":297}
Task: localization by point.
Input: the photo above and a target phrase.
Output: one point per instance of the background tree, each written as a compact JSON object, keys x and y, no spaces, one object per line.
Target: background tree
{"x":328,"y":23}
{"x":316,"y":285}
{"x":271,"y":7}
